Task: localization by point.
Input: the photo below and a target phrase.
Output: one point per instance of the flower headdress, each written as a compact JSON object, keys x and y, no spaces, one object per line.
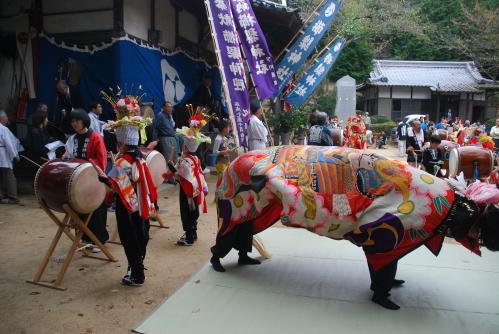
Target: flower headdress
{"x":128,"y":120}
{"x":199,"y":117}
{"x":127,"y":108}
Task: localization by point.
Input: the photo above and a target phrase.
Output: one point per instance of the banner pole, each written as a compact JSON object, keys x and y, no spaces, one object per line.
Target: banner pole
{"x":222,"y":73}
{"x":314,"y":12}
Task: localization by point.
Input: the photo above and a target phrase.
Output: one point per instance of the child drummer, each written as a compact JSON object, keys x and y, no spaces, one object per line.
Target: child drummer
{"x":134,"y":189}
{"x":188,"y":170}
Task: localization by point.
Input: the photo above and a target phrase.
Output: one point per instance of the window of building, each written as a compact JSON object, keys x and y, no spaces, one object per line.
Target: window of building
{"x":396,"y":109}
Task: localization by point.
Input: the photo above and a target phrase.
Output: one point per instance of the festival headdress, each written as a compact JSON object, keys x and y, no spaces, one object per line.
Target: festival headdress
{"x":192,"y":134}
{"x":128,"y":121}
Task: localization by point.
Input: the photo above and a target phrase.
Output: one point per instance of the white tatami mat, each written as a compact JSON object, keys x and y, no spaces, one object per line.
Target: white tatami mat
{"x":318,"y":285}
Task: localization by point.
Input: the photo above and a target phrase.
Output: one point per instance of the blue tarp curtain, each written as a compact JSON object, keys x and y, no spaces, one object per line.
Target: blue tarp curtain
{"x":124,"y":62}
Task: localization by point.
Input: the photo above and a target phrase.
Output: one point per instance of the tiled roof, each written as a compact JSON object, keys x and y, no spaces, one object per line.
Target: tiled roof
{"x":439,"y":76}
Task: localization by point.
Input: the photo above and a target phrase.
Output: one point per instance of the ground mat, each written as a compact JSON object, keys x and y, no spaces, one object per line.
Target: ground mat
{"x":317,"y":285}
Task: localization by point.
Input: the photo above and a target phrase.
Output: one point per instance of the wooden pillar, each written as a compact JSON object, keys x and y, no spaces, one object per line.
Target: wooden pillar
{"x":437,"y":114}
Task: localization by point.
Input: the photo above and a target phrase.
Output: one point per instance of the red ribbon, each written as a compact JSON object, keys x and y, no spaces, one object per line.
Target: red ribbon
{"x":197,"y":174}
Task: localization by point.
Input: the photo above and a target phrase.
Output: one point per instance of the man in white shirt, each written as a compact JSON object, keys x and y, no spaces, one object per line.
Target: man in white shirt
{"x":415,"y":144}
{"x":257,"y":132}
{"x":494,"y":133}
{"x":8,"y":153}
{"x":95,"y":123}
{"x":367,"y":121}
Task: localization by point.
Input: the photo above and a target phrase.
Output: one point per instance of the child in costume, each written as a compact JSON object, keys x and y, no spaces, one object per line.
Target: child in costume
{"x":134,"y":189}
{"x":221,"y":147}
{"x":189,"y":173}
{"x":432,"y":157}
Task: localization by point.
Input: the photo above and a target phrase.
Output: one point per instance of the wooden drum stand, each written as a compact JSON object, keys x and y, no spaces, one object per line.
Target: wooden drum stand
{"x":80,"y":225}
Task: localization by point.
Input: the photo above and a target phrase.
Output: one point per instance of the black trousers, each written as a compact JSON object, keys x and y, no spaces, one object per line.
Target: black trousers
{"x":134,"y":236}
{"x":240,"y":238}
{"x":189,"y":217}
{"x":97,"y":225}
{"x":382,"y":280}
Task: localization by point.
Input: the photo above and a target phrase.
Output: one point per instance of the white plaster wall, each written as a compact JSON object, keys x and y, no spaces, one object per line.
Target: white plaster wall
{"x":136,"y":17}
{"x":57,"y":6}
{"x":384,"y":92}
{"x":401,"y":92}
{"x":77,"y":22}
{"x":69,"y":23}
{"x":189,"y":26}
{"x":165,"y":22}
{"x":421,"y":93}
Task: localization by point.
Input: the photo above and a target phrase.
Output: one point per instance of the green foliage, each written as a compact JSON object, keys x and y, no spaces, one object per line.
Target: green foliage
{"x":377,"y":119}
{"x":356,"y":60}
{"x":295,"y":119}
{"x":299,"y":119}
{"x":280,"y":122}
{"x":412,"y":30}
{"x":387,"y":127}
{"x":326,"y":101}
{"x":489,"y":123}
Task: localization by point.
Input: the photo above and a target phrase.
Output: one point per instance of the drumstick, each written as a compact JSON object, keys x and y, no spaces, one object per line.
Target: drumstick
{"x":113,"y":157}
{"x":34,"y":163}
{"x":97,"y":168}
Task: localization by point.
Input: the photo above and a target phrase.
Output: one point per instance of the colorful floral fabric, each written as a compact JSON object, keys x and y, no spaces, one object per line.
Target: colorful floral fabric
{"x":132,"y":181}
{"x":384,"y":206}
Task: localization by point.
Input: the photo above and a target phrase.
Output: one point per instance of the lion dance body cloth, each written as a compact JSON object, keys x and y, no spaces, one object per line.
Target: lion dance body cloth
{"x":384,"y":206}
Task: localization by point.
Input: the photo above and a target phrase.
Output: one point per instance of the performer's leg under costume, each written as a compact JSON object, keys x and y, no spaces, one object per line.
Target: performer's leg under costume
{"x":189,"y":217}
{"x":240,"y":238}
{"x":134,"y":237}
{"x":382,"y":282}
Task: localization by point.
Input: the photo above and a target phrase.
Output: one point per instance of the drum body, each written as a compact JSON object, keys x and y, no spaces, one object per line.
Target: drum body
{"x":74,"y":182}
{"x":156,"y":163}
{"x":446,"y":147}
{"x":464,"y":159}
{"x":337,"y":134}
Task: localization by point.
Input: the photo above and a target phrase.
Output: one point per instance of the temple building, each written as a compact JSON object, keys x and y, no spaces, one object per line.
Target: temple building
{"x":398,"y":88}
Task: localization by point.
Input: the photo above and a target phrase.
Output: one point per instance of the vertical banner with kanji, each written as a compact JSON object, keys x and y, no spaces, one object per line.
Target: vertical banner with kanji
{"x":299,"y":52}
{"x":310,"y":80}
{"x":226,"y":40}
{"x":255,"y":48}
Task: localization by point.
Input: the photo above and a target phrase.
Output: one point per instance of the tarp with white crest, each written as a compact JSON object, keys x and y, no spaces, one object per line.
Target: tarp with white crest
{"x":163,"y":76}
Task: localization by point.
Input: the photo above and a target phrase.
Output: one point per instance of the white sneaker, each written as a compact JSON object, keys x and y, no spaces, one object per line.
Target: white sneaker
{"x":96,"y":250}
{"x":206,"y":170}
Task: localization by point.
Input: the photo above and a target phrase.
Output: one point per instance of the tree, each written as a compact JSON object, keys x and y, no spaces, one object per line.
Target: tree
{"x":355,"y":60}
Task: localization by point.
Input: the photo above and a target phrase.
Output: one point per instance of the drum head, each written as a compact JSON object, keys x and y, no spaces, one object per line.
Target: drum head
{"x":157,"y":166}
{"x":86,"y":192}
{"x":453,"y":163}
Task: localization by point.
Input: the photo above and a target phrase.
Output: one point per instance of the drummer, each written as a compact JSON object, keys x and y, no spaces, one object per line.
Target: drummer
{"x":87,"y":144}
{"x":131,"y":180}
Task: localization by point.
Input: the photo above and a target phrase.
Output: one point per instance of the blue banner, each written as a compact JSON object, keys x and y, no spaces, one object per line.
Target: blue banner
{"x":299,"y":52}
{"x":310,"y":80}
{"x":164,"y":76}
